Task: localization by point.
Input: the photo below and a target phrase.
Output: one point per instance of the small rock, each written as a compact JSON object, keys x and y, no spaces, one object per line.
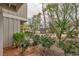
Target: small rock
{"x":40,"y":46}
{"x":34,"y":54}
{"x":56,"y":51}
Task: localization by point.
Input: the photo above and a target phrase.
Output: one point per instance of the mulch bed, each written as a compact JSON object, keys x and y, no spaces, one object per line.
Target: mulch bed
{"x":33,"y":51}
{"x":11,"y":52}
{"x":16,"y":51}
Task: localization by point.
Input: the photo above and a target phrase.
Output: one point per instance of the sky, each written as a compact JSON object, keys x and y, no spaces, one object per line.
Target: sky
{"x":33,"y":9}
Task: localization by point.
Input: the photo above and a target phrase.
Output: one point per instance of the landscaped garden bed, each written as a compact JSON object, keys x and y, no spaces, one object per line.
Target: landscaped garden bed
{"x":62,"y":38}
{"x":42,"y":45}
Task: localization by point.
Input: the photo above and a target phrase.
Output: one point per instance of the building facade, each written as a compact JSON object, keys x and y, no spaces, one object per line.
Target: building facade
{"x":10,"y":22}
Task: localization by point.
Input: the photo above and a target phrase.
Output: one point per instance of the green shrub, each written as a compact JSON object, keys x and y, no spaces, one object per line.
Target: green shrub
{"x":18,"y":37}
{"x":70,"y":47}
{"x":36,"y":39}
{"x":46,"y":41}
{"x":24,"y":43}
{"x":28,"y":33}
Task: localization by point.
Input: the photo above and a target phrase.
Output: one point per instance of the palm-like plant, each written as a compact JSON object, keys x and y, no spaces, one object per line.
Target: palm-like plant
{"x":58,"y":13}
{"x":59,"y":27}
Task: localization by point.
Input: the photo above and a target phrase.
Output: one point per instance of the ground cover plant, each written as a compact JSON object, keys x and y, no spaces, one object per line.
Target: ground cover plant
{"x":70,"y":47}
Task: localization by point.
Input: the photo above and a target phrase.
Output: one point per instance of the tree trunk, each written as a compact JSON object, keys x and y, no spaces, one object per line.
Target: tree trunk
{"x":59,"y":36}
{"x":76,"y":10}
{"x":44,"y":16}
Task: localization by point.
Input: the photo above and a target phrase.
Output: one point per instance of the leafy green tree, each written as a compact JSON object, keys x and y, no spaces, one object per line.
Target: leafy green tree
{"x":36,"y":22}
